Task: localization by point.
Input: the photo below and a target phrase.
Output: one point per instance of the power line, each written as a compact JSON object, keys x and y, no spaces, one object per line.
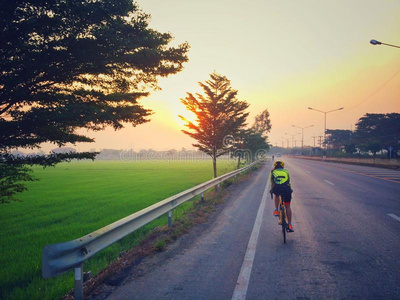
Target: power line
{"x":376,"y":91}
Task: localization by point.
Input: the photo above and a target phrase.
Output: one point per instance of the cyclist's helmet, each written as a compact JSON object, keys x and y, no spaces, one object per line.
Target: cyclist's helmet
{"x":279,"y":164}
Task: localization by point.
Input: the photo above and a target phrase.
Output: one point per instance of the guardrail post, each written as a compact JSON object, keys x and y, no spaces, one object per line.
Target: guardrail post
{"x":202,"y":198}
{"x":78,"y":284}
{"x":170,"y":218}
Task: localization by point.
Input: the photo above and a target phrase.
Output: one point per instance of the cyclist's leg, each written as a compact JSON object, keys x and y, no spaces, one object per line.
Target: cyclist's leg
{"x":287,"y":198}
{"x":276,"y":200}
{"x":288,"y":212}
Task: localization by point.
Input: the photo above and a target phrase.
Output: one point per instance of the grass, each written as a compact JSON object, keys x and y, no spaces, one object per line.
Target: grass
{"x":160,"y":245}
{"x":72,"y":200}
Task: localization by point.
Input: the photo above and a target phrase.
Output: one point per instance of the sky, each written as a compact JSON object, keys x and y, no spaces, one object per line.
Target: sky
{"x":280,"y":55}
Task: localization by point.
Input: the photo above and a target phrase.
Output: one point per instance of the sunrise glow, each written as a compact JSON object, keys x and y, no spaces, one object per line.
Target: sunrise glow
{"x":279,"y":55}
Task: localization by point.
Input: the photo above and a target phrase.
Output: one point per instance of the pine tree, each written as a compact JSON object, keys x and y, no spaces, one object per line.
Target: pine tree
{"x":219,"y":117}
{"x":262,"y":123}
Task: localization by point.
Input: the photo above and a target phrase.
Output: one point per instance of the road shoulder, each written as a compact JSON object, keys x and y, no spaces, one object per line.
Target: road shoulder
{"x":144,"y":265}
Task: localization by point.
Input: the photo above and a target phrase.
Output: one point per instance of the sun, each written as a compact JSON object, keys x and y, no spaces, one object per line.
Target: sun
{"x":187,"y":116}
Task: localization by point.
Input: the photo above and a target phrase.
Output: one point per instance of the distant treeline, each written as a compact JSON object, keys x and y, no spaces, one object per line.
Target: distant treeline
{"x":151,"y":155}
{"x":144,"y":154}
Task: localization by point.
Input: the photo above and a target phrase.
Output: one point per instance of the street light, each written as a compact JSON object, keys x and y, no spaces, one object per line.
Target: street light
{"x":287,"y":140}
{"x":375,"y":42}
{"x":292,"y":135}
{"x":326,"y":112}
{"x":302,"y":135}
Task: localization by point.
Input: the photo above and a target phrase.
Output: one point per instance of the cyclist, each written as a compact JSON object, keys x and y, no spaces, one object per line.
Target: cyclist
{"x":280,"y":186}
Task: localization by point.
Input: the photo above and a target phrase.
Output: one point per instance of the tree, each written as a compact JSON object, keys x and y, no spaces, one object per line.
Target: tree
{"x":373,"y":146}
{"x":338,"y":138}
{"x":375,"y":132}
{"x":254,"y":144}
{"x":262,"y":123}
{"x":219,"y":117}
{"x":350,"y":148}
{"x":238,"y":149}
{"x":67,"y":65}
{"x":249,"y":142}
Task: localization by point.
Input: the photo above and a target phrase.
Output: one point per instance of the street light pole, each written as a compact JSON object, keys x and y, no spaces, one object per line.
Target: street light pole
{"x":302,"y":135}
{"x":292,"y":135}
{"x":287,"y":141}
{"x":375,"y":42}
{"x":325,"y":112}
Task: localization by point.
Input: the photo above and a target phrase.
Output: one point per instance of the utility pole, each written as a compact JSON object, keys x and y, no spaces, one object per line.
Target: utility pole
{"x":287,"y":140}
{"x":292,"y":135}
{"x":302,"y":134}
{"x":351,"y":131}
{"x":325,"y":112}
{"x":314,"y":139}
{"x":320,"y":141}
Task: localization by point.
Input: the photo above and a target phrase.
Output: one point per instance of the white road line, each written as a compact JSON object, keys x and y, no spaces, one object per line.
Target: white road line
{"x":387,"y":174}
{"x":329,"y":182}
{"x":382,"y":173}
{"x":394,"y":217}
{"x":245,"y":272}
{"x":308,"y":172}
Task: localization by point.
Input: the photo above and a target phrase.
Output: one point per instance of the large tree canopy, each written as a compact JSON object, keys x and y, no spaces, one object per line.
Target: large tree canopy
{"x":375,"y":132}
{"x":67,"y":65}
{"x":338,"y":138}
{"x":220,"y":116}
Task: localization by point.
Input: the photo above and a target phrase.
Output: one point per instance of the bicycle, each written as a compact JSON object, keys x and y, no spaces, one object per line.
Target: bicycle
{"x":283,"y":219}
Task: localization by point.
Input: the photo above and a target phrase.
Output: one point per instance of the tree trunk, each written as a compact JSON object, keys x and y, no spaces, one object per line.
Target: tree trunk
{"x":238,"y":166}
{"x":215,"y":166}
{"x":214,"y":158}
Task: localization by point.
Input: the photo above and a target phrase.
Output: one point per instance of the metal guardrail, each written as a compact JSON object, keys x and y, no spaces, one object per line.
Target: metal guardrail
{"x":62,"y":257}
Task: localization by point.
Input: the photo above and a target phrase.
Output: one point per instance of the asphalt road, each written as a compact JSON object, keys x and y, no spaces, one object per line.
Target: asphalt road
{"x":346,"y":242}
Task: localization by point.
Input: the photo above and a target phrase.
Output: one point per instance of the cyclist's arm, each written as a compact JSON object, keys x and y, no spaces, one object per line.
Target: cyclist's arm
{"x":272,"y":181}
{"x":290,"y":185}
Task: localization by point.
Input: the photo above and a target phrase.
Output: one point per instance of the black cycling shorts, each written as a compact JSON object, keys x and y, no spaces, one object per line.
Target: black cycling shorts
{"x":285,"y":192}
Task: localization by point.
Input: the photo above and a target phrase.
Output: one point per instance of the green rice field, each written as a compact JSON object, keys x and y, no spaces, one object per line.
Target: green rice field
{"x":74,"y":199}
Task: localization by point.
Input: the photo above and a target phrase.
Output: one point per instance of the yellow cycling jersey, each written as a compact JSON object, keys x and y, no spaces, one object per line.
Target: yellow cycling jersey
{"x":279,"y":176}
